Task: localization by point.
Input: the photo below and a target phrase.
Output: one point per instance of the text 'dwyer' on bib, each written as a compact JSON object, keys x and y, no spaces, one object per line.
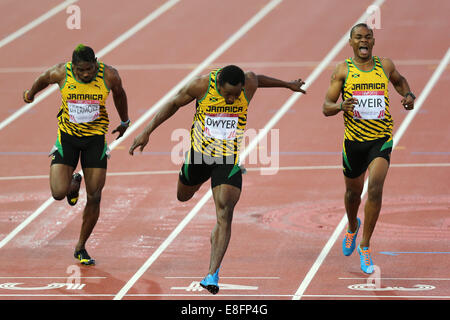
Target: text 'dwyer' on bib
{"x":221,"y":126}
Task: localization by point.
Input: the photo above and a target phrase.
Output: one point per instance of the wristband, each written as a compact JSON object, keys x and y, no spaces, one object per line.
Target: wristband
{"x":26,"y":97}
{"x":125,"y":123}
{"x":410,"y":94}
{"x":340,"y":107}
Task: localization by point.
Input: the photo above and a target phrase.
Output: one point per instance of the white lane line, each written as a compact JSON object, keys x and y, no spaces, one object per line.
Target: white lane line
{"x":143,"y":295}
{"x":24,"y":177}
{"x":152,"y":16}
{"x":69,"y":277}
{"x":246,"y":65}
{"x":138,"y":27}
{"x":207,"y":62}
{"x":247,"y":278}
{"x":374,"y":296}
{"x":411,"y":279}
{"x":114,"y":44}
{"x":342,"y":224}
{"x":316,"y":72}
{"x":414,"y":165}
{"x":210,"y":59}
{"x":57,"y":295}
{"x":311,"y":78}
{"x":17,"y":34}
{"x":26,"y":222}
{"x":288,"y":168}
{"x":288,"y":296}
{"x":337,"y":48}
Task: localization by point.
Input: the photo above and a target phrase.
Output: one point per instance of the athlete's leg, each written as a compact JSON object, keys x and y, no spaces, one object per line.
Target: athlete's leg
{"x":95,"y":181}
{"x":60,"y":180}
{"x":192,"y":176}
{"x":225,"y":198}
{"x":352,"y":199}
{"x":378,"y":169}
{"x":65,"y":155}
{"x":185,"y":192}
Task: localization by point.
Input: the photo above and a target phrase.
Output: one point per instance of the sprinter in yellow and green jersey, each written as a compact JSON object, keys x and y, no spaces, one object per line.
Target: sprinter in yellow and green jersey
{"x":84,"y":84}
{"x":363,"y":83}
{"x":222,"y":102}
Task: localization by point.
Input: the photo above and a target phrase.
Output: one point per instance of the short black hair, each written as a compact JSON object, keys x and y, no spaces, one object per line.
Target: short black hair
{"x":231,"y":74}
{"x":362,"y":24}
{"x":83,"y":53}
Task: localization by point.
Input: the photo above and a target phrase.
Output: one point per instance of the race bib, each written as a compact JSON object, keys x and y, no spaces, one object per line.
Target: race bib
{"x":221,"y":126}
{"x":81,"y":111}
{"x":371,"y":105}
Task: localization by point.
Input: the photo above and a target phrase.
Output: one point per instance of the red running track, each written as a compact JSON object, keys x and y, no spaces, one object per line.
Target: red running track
{"x":284,"y":220}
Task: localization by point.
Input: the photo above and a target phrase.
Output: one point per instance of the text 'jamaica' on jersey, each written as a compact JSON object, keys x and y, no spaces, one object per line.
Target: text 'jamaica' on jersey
{"x":218,"y":128}
{"x":83,"y":108}
{"x":371,"y":118}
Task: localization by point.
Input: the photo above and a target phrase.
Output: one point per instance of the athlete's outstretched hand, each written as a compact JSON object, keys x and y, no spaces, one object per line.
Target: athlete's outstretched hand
{"x":121,"y":130}
{"x":26,"y":97}
{"x":140,"y":141}
{"x":296,"y":85}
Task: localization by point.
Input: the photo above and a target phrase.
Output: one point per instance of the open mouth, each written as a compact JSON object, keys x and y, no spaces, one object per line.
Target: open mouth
{"x":364,"y":50}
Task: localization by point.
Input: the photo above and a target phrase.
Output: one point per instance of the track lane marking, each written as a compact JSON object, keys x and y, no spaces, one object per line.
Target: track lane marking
{"x":262,"y":296}
{"x":288,"y":168}
{"x":112,"y":45}
{"x":254,"y":64}
{"x":253,"y":143}
{"x":140,"y":25}
{"x":210,"y":59}
{"x":397,"y":136}
{"x":20,"y":32}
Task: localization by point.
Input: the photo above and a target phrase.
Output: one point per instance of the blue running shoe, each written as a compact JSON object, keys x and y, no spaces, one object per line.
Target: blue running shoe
{"x":366,"y":260}
{"x":211,"y":282}
{"x":348,"y":245}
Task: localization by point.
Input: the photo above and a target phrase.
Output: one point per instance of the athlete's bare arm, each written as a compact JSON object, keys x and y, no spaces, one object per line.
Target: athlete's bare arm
{"x":269,"y":82}
{"x":55,"y":74}
{"x":253,"y":82}
{"x":195,"y":89}
{"x":400,"y":83}
{"x":114,"y":82}
{"x":330,"y":107}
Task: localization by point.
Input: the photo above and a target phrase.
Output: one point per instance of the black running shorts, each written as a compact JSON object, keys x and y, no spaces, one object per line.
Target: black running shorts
{"x":198,"y":168}
{"x":91,"y":150}
{"x":356,"y":156}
